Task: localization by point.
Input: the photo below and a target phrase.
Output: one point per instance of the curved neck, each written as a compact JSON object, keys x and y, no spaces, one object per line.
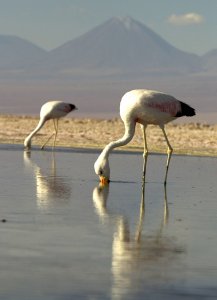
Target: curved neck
{"x":126,"y":138}
{"x":38,"y":127}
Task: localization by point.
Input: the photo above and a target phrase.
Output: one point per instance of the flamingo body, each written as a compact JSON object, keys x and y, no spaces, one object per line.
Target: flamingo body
{"x":50,"y":110}
{"x":144,"y":107}
{"x":150,"y":107}
{"x":55,"y":109}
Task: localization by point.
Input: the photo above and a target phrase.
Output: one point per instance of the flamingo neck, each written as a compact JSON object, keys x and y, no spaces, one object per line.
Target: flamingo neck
{"x":38,"y":127}
{"x":126,"y":138}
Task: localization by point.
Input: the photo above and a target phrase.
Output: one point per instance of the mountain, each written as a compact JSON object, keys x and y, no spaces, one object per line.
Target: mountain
{"x":17,"y":53}
{"x":210,"y":60}
{"x":96,"y":69}
{"x":119,"y":46}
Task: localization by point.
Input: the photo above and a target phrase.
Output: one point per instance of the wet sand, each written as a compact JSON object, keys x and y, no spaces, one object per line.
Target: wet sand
{"x":189,"y":138}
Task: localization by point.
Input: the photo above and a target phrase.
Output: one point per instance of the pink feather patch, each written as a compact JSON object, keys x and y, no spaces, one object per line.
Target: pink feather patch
{"x":167,"y":107}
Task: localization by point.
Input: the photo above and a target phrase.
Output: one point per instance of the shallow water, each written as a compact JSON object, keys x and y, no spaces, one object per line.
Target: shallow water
{"x":65,"y":237}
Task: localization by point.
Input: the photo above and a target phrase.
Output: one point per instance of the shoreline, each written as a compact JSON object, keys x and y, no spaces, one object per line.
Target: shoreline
{"x":186,"y":138}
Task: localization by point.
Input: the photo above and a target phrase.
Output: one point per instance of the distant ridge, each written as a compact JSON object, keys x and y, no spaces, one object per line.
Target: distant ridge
{"x":18,"y":53}
{"x":210,"y":60}
{"x":96,"y":69}
{"x":121,"y":45}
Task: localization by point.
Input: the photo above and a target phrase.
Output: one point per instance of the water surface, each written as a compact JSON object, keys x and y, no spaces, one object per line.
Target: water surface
{"x":65,"y":237}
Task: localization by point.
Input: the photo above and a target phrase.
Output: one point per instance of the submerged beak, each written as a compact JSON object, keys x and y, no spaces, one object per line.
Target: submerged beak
{"x":103,"y":180}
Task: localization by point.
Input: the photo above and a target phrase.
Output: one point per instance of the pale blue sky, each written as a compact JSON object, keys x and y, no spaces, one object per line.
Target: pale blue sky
{"x":190,"y":25}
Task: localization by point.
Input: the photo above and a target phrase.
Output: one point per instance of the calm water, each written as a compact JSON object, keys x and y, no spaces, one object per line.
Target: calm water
{"x":65,"y":237}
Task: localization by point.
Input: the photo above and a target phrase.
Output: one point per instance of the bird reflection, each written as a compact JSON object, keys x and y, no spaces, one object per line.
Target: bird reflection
{"x":136,"y":255}
{"x":50,"y":188}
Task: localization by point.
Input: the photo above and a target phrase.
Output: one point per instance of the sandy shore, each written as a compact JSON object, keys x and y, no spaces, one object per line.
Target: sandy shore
{"x":193,"y":138}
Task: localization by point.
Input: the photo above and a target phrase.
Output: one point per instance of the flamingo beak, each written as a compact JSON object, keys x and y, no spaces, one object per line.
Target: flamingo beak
{"x":103,"y":180}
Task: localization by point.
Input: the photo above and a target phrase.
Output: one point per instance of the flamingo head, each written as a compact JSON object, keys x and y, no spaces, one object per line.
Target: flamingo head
{"x":102,"y":169}
{"x":27,"y":144}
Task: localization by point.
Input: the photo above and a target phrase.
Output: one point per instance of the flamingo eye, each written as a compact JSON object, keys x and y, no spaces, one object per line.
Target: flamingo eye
{"x":100,"y":172}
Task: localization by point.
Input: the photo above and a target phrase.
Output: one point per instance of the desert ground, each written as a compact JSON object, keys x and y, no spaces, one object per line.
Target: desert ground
{"x":189,"y":138}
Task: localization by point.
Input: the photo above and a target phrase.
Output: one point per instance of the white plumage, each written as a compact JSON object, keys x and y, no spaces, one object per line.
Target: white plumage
{"x":50,"y":110}
{"x":144,"y":107}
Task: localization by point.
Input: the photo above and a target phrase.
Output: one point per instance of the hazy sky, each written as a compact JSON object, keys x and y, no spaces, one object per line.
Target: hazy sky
{"x":189,"y":25}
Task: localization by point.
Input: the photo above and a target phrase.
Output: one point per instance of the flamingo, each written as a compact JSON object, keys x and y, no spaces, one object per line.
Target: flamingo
{"x":50,"y":110}
{"x":144,"y":107}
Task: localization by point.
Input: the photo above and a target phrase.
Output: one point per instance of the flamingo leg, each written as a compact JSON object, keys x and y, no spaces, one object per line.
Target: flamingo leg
{"x":169,"y":153}
{"x":145,"y":159}
{"x":145,"y":153}
{"x":56,"y":131}
{"x":166,"y":208}
{"x":143,"y":127}
{"x":141,"y":216}
{"x":42,"y":147}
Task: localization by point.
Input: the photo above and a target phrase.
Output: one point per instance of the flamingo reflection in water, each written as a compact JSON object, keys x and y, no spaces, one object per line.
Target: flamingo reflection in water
{"x":137,"y":259}
{"x":50,"y":187}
